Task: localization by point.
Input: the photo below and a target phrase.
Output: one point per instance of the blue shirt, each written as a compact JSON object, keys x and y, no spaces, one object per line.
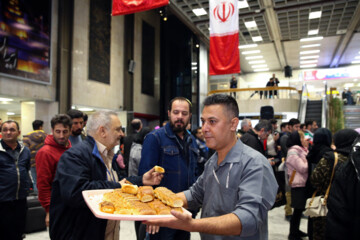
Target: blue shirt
{"x":243,"y":184}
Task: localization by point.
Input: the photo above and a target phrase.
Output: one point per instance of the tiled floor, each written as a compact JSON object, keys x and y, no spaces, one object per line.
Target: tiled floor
{"x":278,"y":228}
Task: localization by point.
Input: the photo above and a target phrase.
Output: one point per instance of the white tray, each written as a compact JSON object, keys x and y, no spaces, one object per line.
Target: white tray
{"x":94,"y":197}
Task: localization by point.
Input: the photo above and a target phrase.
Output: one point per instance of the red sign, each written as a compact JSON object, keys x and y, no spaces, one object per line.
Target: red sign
{"x":122,"y":7}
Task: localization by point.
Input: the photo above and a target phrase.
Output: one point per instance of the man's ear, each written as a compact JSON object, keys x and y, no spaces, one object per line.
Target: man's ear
{"x":234,"y":123}
{"x":102,"y":131}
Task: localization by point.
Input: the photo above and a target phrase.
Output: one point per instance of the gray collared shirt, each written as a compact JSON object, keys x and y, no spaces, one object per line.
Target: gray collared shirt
{"x":243,"y":184}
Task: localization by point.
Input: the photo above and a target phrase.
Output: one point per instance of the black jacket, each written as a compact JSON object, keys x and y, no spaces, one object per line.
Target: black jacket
{"x":252,"y":140}
{"x":343,"y":219}
{"x":80,"y":168}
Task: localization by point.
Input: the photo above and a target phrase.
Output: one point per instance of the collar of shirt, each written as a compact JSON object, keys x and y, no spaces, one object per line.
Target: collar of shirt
{"x":7,"y":147}
{"x":105,"y":154}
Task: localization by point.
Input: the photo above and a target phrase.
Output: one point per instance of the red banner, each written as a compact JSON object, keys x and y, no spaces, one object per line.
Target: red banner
{"x":224,"y":37}
{"x":122,"y":7}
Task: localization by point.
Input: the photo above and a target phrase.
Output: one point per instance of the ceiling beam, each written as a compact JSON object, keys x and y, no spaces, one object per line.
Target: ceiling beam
{"x":274,"y":30}
{"x":345,"y":40}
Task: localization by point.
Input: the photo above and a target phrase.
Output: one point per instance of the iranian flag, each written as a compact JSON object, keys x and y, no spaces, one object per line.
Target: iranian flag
{"x":122,"y":7}
{"x":224,"y":37}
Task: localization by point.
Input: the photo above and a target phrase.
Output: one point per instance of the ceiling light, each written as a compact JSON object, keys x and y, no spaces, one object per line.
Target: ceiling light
{"x":194,"y":63}
{"x":341,"y":31}
{"x":194,"y":68}
{"x":308,"y":66}
{"x":260,"y":66}
{"x":257,"y":61}
{"x":310,"y":45}
{"x":6,"y":99}
{"x":309,"y":57}
{"x":199,"y":11}
{"x":355,"y":80}
{"x":314,"y":15}
{"x":10,"y":113}
{"x":309,"y":52}
{"x":257,"y":39}
{"x":357,"y":57}
{"x":251,"y":25}
{"x":85,"y":109}
{"x":313,"y":32}
{"x":308,"y":61}
{"x":248,"y":46}
{"x":253,"y":57}
{"x":311,"y":39}
{"x":348,"y":85}
{"x":355,"y":62}
{"x":261,"y":69}
{"x":243,"y":4}
{"x":250,"y":52}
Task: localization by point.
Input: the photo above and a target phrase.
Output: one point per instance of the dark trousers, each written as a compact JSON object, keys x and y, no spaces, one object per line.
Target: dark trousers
{"x":295,"y":222}
{"x":12,"y":219}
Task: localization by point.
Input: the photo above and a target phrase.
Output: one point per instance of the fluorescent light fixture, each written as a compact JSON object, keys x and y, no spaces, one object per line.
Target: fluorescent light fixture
{"x":313,"y":32}
{"x":248,"y":46}
{"x":260,"y":66}
{"x":261,"y":70}
{"x":357,"y":57}
{"x":348,"y":85}
{"x":309,"y":57}
{"x":341,"y":31}
{"x":310,"y":45}
{"x":194,"y":63}
{"x":314,"y":15}
{"x":308,"y":66}
{"x":308,"y":61}
{"x":355,"y":80}
{"x":6,"y":99}
{"x":253,"y":57}
{"x":257,"y":61}
{"x":10,"y":113}
{"x":199,"y":11}
{"x":85,"y":109}
{"x":250,"y":52}
{"x":243,"y":4}
{"x":194,"y":68}
{"x":257,"y":39}
{"x":311,"y":39}
{"x":251,"y":25}
{"x":309,"y":52}
{"x":355,"y":62}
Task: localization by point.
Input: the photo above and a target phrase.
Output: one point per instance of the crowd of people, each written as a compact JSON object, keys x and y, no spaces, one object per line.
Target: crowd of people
{"x":234,"y":177}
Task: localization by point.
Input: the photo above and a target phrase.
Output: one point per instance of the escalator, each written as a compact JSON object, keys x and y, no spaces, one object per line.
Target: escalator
{"x":314,"y":111}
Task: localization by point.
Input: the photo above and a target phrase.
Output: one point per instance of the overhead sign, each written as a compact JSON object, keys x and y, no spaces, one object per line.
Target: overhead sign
{"x":333,"y":73}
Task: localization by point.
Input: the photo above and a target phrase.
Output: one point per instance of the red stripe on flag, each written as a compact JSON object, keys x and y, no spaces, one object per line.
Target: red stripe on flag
{"x":122,"y":7}
{"x":224,"y":55}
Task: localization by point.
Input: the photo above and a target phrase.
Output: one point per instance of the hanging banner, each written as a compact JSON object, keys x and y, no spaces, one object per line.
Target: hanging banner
{"x":122,"y":7}
{"x":224,"y":37}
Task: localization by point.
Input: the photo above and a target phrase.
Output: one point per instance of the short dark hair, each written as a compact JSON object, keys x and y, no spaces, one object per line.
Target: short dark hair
{"x":293,"y":121}
{"x":63,"y":119}
{"x":85,"y":117}
{"x":309,"y":122}
{"x":273,"y":121}
{"x":74,"y":113}
{"x":225,"y":100}
{"x":302,"y":125}
{"x":136,"y":124}
{"x":37,"y":124}
{"x":179,"y":99}
{"x":194,"y":132}
{"x":265,"y":124}
{"x":10,"y":121}
{"x":284,"y":124}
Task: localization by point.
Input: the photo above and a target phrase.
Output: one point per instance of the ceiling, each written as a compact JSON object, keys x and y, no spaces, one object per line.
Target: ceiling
{"x":281,"y":24}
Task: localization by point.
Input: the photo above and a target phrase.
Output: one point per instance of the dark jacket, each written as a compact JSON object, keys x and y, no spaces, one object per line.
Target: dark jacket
{"x":253,"y":141}
{"x":162,"y":147}
{"x":343,"y":219}
{"x":80,"y":168}
{"x":14,"y":177}
{"x":34,"y":141}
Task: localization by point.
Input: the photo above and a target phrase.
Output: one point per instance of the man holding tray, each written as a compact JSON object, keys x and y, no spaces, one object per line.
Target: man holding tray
{"x":89,"y":165}
{"x":237,"y":187}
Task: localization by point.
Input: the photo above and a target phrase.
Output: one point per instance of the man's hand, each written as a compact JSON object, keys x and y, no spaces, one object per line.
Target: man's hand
{"x":152,"y":178}
{"x":182,"y":221}
{"x":271,"y":161}
{"x":47,"y":219}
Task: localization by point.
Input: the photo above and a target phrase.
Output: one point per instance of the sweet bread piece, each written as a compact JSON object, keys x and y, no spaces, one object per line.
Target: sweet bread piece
{"x":107,"y":207}
{"x":159,"y":207}
{"x":159,"y":169}
{"x":168,"y":197}
{"x":140,"y":208}
{"x":145,"y":193}
{"x":129,"y":188}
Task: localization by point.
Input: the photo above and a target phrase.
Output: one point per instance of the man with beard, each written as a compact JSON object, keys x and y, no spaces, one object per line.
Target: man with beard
{"x":77,"y":118}
{"x":173,"y":148}
{"x":89,"y":165}
{"x":48,"y":157}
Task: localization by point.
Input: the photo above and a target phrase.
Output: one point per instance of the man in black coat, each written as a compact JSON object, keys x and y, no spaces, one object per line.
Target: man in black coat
{"x":254,"y":137}
{"x":136,"y":126}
